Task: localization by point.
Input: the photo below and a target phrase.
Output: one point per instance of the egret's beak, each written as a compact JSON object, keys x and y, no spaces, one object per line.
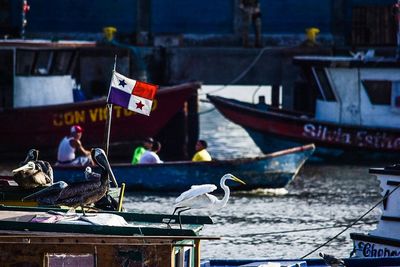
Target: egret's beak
{"x":238,"y":180}
{"x":28,"y":166}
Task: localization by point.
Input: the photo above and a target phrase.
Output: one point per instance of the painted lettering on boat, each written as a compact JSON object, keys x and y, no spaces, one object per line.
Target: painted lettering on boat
{"x":92,"y":115}
{"x":373,"y":250}
{"x":357,"y":138}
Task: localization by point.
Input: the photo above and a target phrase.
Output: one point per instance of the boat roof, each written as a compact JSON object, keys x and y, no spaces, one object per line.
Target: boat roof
{"x":390,"y":170}
{"x":347,"y":61}
{"x":44,"y":43}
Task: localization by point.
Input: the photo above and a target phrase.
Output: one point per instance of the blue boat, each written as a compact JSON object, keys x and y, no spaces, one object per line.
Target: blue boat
{"x":349,"y":262}
{"x":275,"y":170}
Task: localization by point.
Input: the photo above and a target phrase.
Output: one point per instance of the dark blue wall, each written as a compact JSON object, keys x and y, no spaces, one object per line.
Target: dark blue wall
{"x":181,"y":16}
{"x":198,"y":17}
{"x":81,"y":15}
{"x":291,"y":16}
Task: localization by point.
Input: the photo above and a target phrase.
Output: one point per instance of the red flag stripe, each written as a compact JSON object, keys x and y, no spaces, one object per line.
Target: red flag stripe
{"x":145,"y":90}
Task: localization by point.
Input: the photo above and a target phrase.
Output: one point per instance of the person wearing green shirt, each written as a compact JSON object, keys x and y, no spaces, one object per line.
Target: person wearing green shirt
{"x":139,"y":151}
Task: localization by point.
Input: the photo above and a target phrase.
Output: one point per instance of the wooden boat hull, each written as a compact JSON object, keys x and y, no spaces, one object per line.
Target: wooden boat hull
{"x":44,"y":127}
{"x":274,"y":170}
{"x":273,"y":129}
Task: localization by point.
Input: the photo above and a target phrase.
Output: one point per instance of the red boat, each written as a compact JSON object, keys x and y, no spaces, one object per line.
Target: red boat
{"x":43,"y":127}
{"x":38,"y":104}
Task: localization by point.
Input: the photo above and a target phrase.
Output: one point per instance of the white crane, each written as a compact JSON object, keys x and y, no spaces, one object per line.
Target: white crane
{"x":198,"y":197}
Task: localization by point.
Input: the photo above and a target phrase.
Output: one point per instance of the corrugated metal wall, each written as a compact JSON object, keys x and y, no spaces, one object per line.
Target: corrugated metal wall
{"x":373,"y":26}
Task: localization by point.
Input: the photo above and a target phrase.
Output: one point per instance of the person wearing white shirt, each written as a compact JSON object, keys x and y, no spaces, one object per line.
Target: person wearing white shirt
{"x":150,"y":156}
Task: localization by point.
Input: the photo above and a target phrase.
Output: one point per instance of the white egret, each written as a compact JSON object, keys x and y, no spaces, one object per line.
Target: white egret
{"x":198,"y":197}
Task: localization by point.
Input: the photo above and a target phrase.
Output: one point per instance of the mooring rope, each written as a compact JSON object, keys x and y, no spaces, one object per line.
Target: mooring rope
{"x":353,"y":223}
{"x":304,"y":230}
{"x":242,"y":74}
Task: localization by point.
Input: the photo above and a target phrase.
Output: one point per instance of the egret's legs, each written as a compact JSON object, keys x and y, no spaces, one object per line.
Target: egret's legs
{"x":171,"y":216}
{"x":177,"y":208}
{"x":179,"y":216}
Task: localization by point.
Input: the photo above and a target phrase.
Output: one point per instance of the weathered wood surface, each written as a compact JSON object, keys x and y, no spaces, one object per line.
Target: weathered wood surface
{"x":39,"y":249}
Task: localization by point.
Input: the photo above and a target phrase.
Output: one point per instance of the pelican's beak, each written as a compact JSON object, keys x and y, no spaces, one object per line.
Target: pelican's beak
{"x":98,"y":152}
{"x":27,"y":166}
{"x":237,"y":180}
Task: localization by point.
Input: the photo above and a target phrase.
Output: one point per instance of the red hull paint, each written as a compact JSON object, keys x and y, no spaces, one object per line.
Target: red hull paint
{"x":43,"y":127}
{"x":306,"y":130}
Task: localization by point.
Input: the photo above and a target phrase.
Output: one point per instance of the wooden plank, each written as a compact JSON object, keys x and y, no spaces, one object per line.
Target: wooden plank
{"x":128,"y":216}
{"x":46,"y":237}
{"x":94,"y":229}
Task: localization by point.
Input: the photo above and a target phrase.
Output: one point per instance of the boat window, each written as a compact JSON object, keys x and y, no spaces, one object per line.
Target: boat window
{"x":43,"y":63}
{"x":379,"y":92}
{"x":62,"y":62}
{"x":325,"y":91}
{"x":24,"y":62}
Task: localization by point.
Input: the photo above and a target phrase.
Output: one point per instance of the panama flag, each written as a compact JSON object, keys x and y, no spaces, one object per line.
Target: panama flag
{"x":133,"y":95}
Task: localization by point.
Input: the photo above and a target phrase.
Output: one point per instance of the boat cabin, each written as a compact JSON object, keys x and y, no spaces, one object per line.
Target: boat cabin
{"x":41,"y":72}
{"x":361,"y":91}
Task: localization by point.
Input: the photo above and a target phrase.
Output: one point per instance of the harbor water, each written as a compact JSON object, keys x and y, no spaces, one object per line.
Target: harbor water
{"x":285,"y":223}
{"x":277,"y":223}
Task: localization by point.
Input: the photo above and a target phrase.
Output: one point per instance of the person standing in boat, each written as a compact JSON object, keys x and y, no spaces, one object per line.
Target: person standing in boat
{"x":251,"y":15}
{"x":151,"y":156}
{"x":72,"y":145}
{"x":396,"y":14}
{"x":140,"y":150}
{"x":201,"y":152}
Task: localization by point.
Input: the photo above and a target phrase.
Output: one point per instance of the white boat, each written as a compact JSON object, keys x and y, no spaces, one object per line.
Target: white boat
{"x":349,"y":107}
{"x":384,"y":241}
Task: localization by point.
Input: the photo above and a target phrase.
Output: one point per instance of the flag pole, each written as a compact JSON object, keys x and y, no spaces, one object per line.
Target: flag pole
{"x":109,"y":117}
{"x":108,"y":122}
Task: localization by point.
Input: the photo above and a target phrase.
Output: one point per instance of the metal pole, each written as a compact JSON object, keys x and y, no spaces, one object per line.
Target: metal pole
{"x":109,"y":117}
{"x":108,"y":128}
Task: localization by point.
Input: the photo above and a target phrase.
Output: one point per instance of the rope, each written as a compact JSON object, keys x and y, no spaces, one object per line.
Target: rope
{"x":206,"y":111}
{"x":241,"y":75}
{"x":353,"y":223}
{"x":304,"y":230}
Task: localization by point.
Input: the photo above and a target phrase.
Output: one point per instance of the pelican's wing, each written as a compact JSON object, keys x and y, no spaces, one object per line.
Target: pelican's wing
{"x":51,"y":190}
{"x":196,"y":190}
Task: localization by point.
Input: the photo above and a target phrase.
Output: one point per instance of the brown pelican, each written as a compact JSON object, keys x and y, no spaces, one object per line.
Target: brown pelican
{"x":198,"y":197}
{"x":33,"y":172}
{"x":91,"y":175}
{"x":80,"y":194}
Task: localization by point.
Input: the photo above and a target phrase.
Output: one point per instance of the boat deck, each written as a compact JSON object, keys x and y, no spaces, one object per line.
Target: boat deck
{"x":52,"y":237}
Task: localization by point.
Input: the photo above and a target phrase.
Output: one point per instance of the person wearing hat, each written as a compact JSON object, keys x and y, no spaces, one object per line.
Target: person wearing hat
{"x":140,"y":150}
{"x":70,"y":146}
